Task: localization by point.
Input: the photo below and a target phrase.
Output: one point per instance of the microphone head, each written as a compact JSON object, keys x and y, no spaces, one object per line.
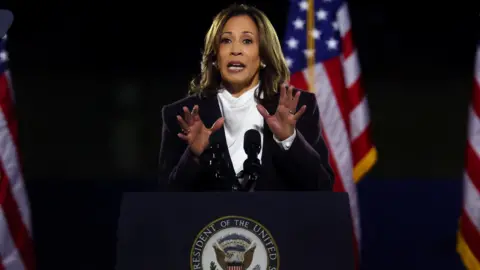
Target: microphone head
{"x":252,"y":141}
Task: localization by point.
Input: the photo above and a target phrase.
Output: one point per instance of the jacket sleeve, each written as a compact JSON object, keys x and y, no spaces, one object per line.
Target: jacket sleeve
{"x":177,"y":165}
{"x":307,"y":160}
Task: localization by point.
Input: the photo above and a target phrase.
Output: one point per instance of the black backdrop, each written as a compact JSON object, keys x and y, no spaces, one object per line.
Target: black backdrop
{"x":91,"y":78}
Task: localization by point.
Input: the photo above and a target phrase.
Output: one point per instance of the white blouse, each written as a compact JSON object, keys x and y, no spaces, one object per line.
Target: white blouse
{"x":241,"y":114}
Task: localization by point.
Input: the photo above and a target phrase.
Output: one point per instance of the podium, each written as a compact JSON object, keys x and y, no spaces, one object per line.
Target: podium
{"x":235,"y":231}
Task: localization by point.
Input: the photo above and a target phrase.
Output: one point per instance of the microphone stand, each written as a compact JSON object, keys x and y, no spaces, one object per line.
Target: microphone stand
{"x":251,"y":169}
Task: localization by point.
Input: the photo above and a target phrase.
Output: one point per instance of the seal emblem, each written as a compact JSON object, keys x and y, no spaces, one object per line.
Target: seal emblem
{"x":234,"y":243}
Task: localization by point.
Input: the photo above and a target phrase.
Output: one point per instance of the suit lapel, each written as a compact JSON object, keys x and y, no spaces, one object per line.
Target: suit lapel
{"x":267,"y":148}
{"x":271,"y":108}
{"x":267,"y":133}
{"x":209,"y":113}
{"x":209,"y":110}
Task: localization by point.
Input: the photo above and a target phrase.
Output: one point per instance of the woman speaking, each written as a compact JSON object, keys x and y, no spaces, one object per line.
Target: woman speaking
{"x":242,"y":90}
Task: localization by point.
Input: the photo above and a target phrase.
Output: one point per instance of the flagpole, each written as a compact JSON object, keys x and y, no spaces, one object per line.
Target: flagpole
{"x":311,"y":45}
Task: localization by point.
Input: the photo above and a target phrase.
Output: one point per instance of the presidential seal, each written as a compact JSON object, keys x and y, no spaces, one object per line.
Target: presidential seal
{"x":234,"y":243}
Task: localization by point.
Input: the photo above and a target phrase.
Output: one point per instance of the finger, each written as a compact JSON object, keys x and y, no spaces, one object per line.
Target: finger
{"x":294,"y":102}
{"x":300,"y":112}
{"x":196,"y":117}
{"x":289,"y":92}
{"x":263,"y":111}
{"x":182,"y":122}
{"x":288,"y":96}
{"x":283,"y":95}
{"x":195,"y":113}
{"x":218,"y":124}
{"x":182,"y":136}
{"x":187,"y":115}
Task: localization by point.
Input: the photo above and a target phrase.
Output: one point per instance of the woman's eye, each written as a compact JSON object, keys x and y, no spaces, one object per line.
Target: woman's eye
{"x":247,"y":41}
{"x":225,"y":40}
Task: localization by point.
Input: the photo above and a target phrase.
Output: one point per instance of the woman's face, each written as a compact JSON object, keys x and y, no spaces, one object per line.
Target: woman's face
{"x":238,"y":56}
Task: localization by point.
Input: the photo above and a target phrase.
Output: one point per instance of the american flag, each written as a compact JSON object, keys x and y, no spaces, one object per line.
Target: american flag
{"x":16,"y":245}
{"x":468,"y":241}
{"x":322,"y":58}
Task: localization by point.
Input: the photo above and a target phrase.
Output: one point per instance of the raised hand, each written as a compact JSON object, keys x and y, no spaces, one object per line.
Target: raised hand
{"x":282,"y":123}
{"x":194,"y":131}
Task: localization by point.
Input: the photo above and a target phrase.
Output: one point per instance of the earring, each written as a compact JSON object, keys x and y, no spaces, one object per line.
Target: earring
{"x":262,"y":65}
{"x":214,"y":64}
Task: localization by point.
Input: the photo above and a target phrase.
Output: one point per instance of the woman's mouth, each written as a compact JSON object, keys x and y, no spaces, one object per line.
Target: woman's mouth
{"x":235,"y":66}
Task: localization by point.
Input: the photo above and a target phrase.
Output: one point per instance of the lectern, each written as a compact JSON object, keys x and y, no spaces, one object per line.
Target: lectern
{"x":235,"y":231}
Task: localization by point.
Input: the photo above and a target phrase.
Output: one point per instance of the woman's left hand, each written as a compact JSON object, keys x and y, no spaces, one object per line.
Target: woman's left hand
{"x":282,"y":123}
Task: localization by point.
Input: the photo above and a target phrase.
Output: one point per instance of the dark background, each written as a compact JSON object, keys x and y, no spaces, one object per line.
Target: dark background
{"x":91,"y":78}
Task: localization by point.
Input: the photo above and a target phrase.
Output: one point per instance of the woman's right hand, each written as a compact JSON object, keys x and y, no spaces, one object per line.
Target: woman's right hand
{"x":194,"y":131}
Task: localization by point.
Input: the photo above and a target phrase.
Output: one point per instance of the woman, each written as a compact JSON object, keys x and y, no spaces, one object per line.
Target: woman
{"x":241,"y":87}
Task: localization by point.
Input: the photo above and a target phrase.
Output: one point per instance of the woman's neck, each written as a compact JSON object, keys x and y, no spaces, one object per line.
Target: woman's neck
{"x":239,"y":90}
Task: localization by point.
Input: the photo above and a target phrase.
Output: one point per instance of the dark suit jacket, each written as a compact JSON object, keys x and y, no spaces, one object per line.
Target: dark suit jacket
{"x":305,"y":166}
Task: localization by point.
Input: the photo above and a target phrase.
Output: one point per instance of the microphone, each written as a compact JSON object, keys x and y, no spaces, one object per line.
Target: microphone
{"x":251,"y":166}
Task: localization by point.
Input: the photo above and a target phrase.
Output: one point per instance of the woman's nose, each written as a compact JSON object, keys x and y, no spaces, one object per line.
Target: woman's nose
{"x":236,"y":49}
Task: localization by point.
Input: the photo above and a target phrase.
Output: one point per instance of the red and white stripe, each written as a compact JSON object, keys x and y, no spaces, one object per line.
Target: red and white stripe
{"x":468,"y":244}
{"x":16,"y":246}
{"x":344,"y":114}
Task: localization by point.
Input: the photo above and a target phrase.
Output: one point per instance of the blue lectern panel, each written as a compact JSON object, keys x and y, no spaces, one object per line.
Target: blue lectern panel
{"x":245,"y":231}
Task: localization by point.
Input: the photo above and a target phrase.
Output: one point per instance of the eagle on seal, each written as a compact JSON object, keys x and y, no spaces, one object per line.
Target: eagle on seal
{"x":234,"y":251}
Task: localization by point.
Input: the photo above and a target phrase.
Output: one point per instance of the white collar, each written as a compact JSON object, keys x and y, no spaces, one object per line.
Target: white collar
{"x":242,"y":100}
